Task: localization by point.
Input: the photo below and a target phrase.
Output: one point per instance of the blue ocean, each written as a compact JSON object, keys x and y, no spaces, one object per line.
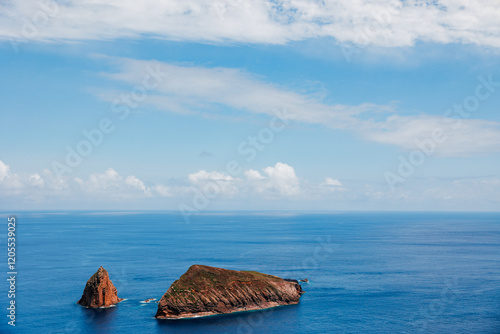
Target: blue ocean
{"x":367,"y":272}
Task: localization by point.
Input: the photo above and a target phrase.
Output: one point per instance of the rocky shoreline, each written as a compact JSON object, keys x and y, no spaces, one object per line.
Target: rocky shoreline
{"x":99,"y":291}
{"x":204,"y":291}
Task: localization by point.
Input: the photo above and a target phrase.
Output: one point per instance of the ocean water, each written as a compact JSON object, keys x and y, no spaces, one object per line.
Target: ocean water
{"x":367,"y":272}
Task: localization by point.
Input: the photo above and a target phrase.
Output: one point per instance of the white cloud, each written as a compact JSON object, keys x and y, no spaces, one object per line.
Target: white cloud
{"x":278,"y":180}
{"x":109,"y":180}
{"x":8,"y":180}
{"x":4,"y":171}
{"x":112,"y":184}
{"x":37,"y":180}
{"x":188,"y":89}
{"x":203,"y":175}
{"x":282,"y":178}
{"x":135,"y":183}
{"x":374,"y":22}
{"x":204,"y":90}
{"x":162,"y":190}
{"x":277,"y":184}
{"x":332,"y":182}
{"x":459,"y":137}
{"x":214,"y":183}
{"x":253,"y":174}
{"x":109,"y":185}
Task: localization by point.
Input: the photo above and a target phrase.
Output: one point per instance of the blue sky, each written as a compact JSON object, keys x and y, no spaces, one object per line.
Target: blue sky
{"x":340,"y":111}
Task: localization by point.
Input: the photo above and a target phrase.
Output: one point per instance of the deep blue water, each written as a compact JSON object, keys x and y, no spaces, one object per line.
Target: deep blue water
{"x":368,"y":272}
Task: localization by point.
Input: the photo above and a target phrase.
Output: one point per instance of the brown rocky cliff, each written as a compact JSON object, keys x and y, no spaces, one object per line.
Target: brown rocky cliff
{"x":99,"y":291}
{"x":205,"y":290}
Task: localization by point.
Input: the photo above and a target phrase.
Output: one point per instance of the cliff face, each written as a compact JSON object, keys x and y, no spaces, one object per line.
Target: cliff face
{"x":99,"y":291}
{"x":205,"y":290}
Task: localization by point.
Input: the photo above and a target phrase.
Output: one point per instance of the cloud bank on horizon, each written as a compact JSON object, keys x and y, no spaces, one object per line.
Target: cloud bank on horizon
{"x":274,"y":181}
{"x":278,"y":184}
{"x":367,"y":22}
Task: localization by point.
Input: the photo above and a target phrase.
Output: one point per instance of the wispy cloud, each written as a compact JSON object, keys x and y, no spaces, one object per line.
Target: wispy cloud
{"x":329,"y":182}
{"x":211,"y":91}
{"x":372,"y":22}
{"x":467,"y":138}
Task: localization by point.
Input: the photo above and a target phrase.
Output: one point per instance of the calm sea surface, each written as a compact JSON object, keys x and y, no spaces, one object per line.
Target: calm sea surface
{"x":368,"y":272}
